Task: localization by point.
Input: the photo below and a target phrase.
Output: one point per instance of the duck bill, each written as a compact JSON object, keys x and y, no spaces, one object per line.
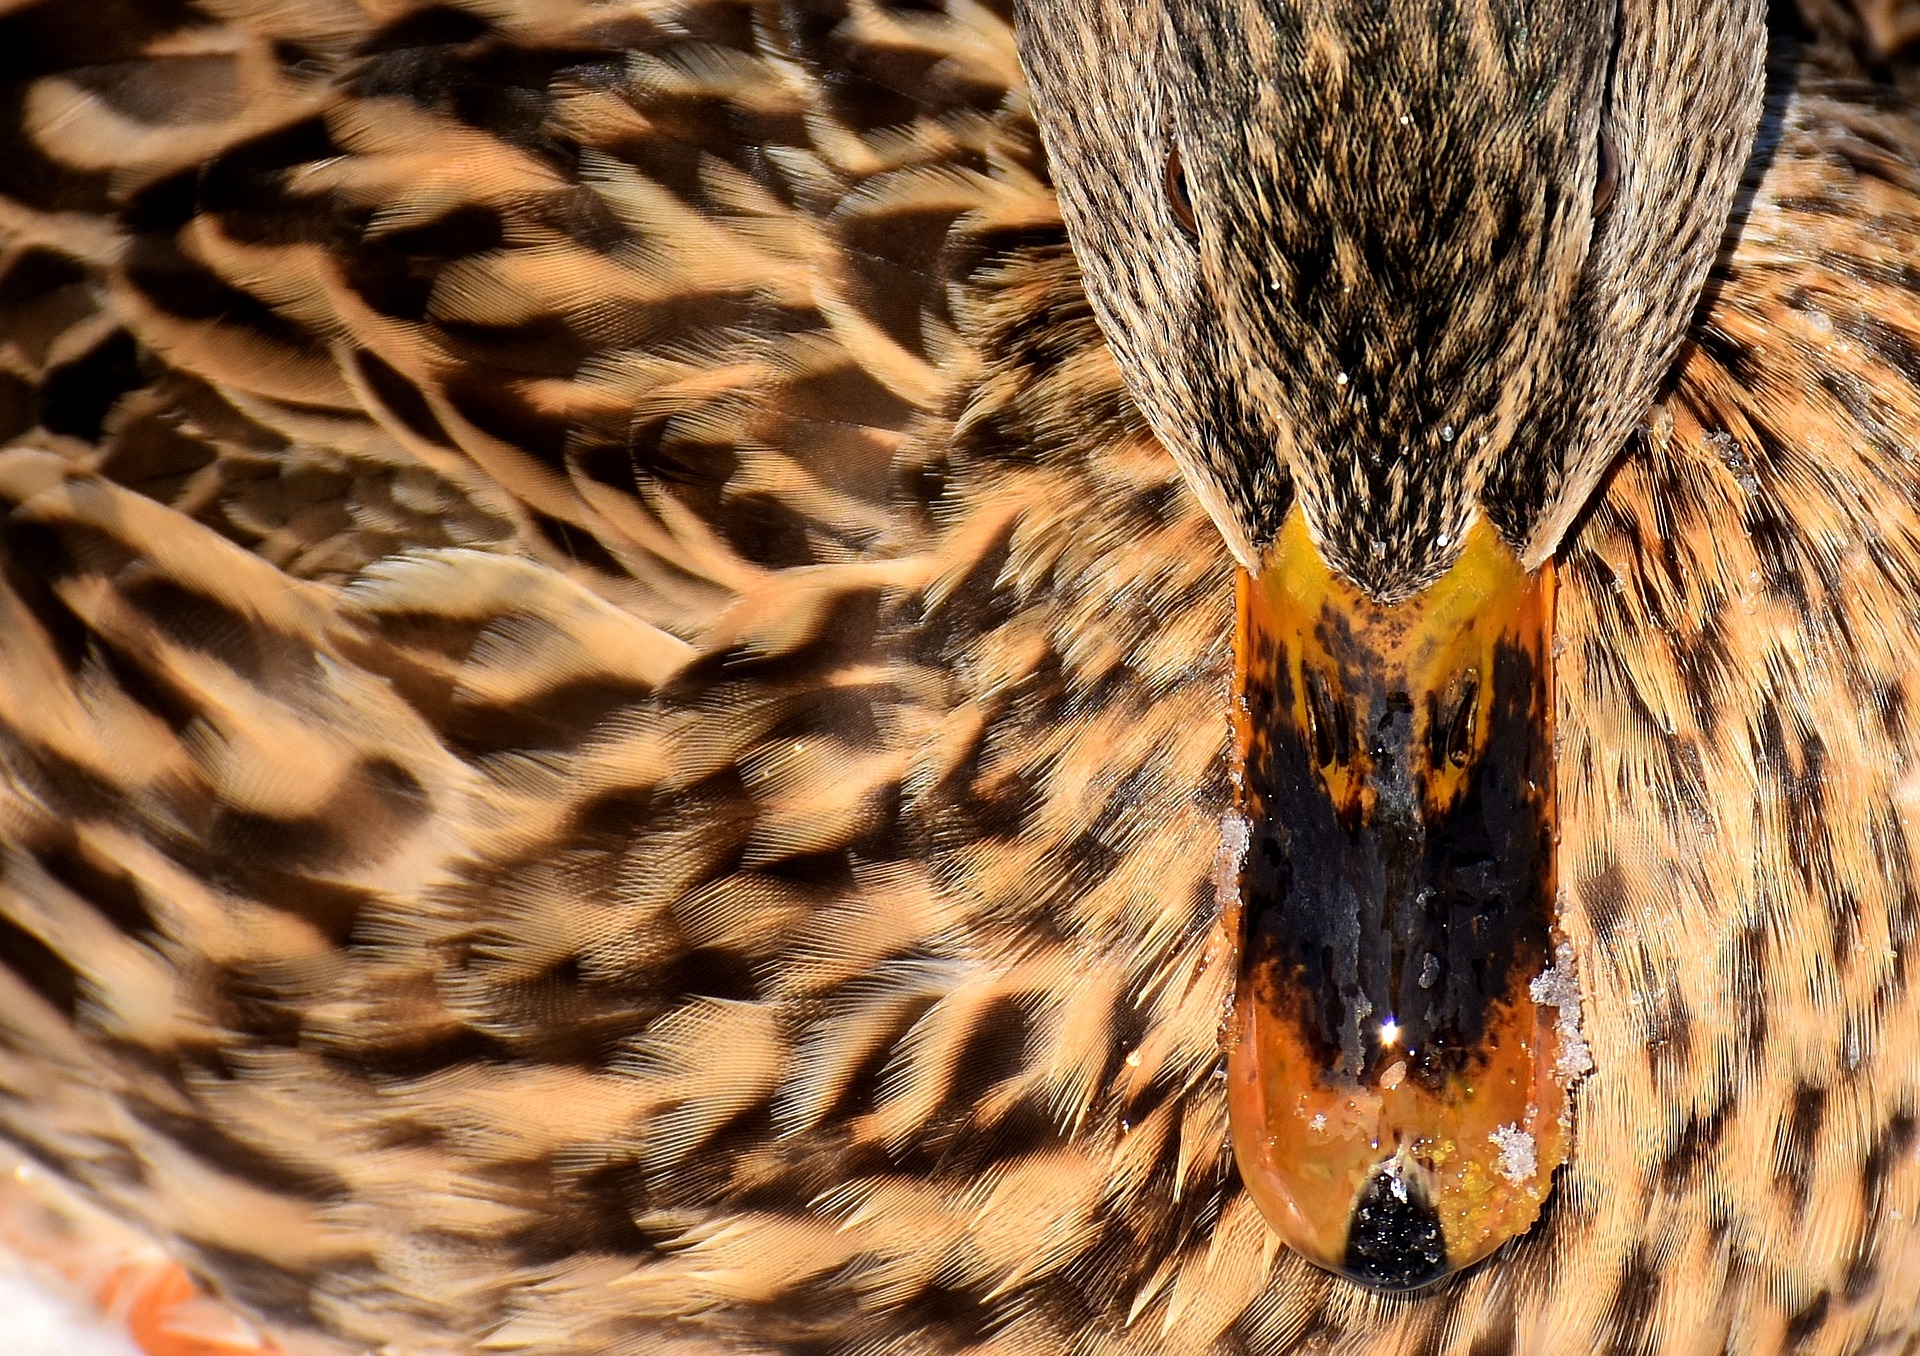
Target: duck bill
{"x":1397,"y":1063}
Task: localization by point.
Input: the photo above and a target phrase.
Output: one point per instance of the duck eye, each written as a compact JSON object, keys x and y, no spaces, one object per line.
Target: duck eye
{"x":1609,"y":175}
{"x":1177,"y":198}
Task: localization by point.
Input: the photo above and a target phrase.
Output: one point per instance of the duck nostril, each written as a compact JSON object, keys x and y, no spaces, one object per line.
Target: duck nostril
{"x":1466,"y":719}
{"x":1324,"y":725}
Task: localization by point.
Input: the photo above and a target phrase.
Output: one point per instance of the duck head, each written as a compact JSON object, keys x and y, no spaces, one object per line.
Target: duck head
{"x":1394,"y":281}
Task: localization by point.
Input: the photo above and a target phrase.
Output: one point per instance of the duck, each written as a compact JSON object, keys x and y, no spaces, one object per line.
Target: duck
{"x":649,"y":652}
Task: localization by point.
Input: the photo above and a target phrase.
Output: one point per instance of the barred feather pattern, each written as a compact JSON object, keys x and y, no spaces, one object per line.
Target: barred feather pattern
{"x":612,"y":733}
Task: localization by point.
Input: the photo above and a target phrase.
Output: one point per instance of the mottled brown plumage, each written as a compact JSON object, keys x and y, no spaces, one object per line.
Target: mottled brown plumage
{"x":612,"y":727}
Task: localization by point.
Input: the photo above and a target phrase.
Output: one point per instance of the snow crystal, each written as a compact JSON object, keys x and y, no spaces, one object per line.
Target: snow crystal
{"x":1430,"y":971}
{"x":1235,"y":834}
{"x":1558,"y":987}
{"x":1518,"y":1162}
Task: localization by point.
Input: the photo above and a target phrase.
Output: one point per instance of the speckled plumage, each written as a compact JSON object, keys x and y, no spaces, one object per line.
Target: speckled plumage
{"x":613,"y":729}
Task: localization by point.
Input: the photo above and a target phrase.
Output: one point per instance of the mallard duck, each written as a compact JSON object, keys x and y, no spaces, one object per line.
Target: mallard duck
{"x":617,"y":659}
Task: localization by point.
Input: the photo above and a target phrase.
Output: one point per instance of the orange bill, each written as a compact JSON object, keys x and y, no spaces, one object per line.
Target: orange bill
{"x":1401,"y":1042}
